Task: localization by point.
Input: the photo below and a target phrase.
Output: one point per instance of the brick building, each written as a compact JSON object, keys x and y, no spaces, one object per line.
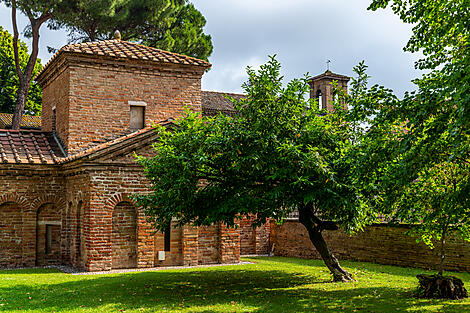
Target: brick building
{"x":64,"y":187}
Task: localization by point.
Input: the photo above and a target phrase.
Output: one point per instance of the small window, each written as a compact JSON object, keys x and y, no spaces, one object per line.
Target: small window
{"x":48,"y":239}
{"x":167,"y":239}
{"x":137,"y":118}
{"x":54,"y":120}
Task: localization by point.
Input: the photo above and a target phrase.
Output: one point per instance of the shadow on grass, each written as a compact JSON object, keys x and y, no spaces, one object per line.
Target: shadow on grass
{"x":260,"y":289}
{"x":361,"y":266}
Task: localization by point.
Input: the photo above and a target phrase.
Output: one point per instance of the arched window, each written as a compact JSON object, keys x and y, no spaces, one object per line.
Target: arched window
{"x":320,"y":99}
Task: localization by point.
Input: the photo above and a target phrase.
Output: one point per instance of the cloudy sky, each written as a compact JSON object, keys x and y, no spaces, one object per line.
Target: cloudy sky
{"x":304,"y":34}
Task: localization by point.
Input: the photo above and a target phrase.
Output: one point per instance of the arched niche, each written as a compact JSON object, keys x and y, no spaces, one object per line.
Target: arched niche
{"x":124,"y":236}
{"x":48,"y":234}
{"x":11,"y":235}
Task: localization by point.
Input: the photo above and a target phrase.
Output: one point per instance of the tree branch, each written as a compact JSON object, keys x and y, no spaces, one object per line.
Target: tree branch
{"x":15,"y":40}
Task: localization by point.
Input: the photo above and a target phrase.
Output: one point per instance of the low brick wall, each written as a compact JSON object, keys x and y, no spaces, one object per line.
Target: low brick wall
{"x":379,"y":243}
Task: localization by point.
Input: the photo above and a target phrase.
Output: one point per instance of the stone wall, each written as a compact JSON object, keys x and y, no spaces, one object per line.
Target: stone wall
{"x":379,"y":243}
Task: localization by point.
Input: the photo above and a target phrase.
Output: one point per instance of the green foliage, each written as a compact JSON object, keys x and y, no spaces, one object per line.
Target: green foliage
{"x":278,"y":154}
{"x":414,"y":155}
{"x":9,"y":79}
{"x":171,"y":25}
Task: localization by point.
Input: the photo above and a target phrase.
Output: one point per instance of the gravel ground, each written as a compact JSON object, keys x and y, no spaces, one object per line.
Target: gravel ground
{"x":74,"y":271}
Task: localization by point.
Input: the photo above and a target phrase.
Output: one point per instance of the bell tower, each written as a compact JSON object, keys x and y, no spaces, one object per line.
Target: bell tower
{"x":322,"y":89}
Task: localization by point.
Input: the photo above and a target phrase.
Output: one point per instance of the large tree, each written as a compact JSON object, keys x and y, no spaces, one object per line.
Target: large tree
{"x":414,"y":156}
{"x":173,"y":25}
{"x":279,"y":154}
{"x":9,"y":81}
{"x":429,"y":171}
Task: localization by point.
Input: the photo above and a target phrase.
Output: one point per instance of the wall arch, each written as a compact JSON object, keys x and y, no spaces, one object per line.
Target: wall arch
{"x":124,"y":235}
{"x":22,"y":201}
{"x":11,"y":236}
{"x":59,"y":202}
{"x":48,"y":234}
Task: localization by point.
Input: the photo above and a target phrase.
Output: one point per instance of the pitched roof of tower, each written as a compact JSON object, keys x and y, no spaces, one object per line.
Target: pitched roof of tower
{"x":127,"y":50}
{"x":330,"y":75}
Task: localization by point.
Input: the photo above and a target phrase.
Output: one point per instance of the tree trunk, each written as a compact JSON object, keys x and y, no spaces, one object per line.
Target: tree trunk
{"x":443,"y":253}
{"x":21,"y":98}
{"x":26,"y":75}
{"x":314,"y":227}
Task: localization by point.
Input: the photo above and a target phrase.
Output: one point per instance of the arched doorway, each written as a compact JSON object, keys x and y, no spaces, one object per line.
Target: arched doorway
{"x":124,"y":236}
{"x":48,"y":230}
{"x":11,"y":235}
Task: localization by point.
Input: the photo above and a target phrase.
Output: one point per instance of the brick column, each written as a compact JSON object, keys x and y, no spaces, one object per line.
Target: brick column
{"x":145,"y":242}
{"x":262,"y":239}
{"x":190,"y":245}
{"x":29,"y":236}
{"x":229,"y":244}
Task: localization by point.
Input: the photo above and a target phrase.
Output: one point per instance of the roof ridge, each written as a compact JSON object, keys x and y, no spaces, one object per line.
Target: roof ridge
{"x":121,"y":49}
{"x":223,"y":92}
{"x":105,"y":145}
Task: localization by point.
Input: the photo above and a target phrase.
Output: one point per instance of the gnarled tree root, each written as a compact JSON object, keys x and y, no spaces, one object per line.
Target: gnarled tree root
{"x":443,"y":287}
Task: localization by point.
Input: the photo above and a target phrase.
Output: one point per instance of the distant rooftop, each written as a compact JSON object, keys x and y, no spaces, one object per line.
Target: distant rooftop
{"x":214,"y":102}
{"x":27,"y":122}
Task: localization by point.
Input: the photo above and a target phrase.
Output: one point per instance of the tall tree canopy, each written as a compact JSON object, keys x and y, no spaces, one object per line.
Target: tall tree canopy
{"x":173,"y":25}
{"x":415,"y":154}
{"x":9,"y":81}
{"x":278,"y":155}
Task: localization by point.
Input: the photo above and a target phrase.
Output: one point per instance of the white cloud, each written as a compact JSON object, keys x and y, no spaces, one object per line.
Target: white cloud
{"x":303,"y":34}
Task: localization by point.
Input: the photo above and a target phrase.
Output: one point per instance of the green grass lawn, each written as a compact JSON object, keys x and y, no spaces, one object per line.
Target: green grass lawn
{"x":269,"y":285}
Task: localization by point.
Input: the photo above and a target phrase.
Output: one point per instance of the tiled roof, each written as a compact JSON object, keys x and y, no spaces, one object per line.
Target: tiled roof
{"x":216,"y":102}
{"x":30,"y":147}
{"x":127,"y":50}
{"x":330,"y":75}
{"x":147,"y":132}
{"x":29,"y":122}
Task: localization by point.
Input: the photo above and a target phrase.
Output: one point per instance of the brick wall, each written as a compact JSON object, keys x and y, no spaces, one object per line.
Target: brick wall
{"x":11,"y":235}
{"x":48,"y":216}
{"x":253,"y":240}
{"x":124,"y":236}
{"x":229,"y":248}
{"x":24,"y":189}
{"x":175,"y":255}
{"x":56,"y":93}
{"x":381,"y":244}
{"x":93,"y":97}
{"x":208,"y":245}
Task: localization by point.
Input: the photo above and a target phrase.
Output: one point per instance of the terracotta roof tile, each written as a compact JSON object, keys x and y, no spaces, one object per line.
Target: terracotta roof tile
{"x":127,"y":50}
{"x":133,"y":136}
{"x":214,"y":103}
{"x":29,"y":147}
{"x":29,"y":122}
